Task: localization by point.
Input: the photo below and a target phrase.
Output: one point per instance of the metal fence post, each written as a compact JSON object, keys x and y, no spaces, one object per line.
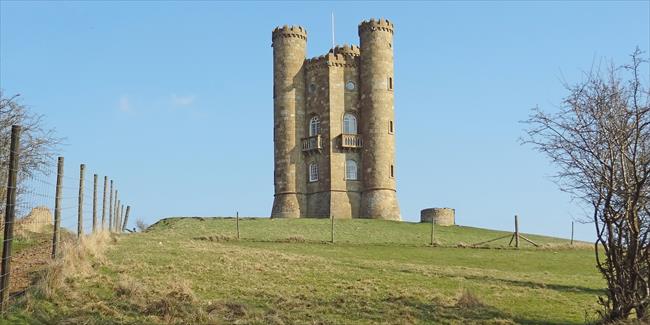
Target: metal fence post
{"x":10,"y":215}
{"x":57,"y":207}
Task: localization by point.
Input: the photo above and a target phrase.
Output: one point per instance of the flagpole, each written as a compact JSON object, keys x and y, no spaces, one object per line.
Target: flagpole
{"x":333,"y":42}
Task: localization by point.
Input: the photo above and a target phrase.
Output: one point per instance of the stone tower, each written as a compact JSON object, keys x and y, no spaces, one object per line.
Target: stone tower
{"x":334,"y":126}
{"x":289,"y":49}
{"x":378,"y":198}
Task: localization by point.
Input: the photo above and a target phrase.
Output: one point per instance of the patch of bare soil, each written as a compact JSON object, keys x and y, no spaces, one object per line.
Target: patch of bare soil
{"x":27,"y":262}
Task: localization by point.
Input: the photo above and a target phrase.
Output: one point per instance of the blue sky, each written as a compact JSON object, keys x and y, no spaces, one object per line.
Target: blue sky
{"x":173,"y":100}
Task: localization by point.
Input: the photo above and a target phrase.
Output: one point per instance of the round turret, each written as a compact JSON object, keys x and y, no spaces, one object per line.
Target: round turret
{"x":379,"y":198}
{"x":289,"y":31}
{"x":289,"y":49}
{"x":373,"y":25}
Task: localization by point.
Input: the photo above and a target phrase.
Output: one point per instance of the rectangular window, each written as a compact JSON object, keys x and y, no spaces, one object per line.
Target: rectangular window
{"x":390,"y":83}
{"x":313,"y":172}
{"x":390,"y":127}
{"x":392,"y":171}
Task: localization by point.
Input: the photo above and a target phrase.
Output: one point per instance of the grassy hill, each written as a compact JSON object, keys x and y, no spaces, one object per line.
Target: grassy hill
{"x":194,"y":270}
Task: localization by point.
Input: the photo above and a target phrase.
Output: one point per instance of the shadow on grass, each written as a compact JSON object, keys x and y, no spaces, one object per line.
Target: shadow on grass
{"x":518,"y":283}
{"x":391,"y":309}
{"x":437,"y":312}
{"x":538,"y":285}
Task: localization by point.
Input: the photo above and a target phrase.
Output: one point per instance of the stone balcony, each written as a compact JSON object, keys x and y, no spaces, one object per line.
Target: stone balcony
{"x":313,"y":143}
{"x":351,"y":141}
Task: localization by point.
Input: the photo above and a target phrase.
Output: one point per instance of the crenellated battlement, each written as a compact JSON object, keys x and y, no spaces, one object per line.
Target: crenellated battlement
{"x":315,"y":63}
{"x":342,"y":60}
{"x":373,"y":25}
{"x":349,"y":50}
{"x":289,"y":31}
{"x":331,"y":60}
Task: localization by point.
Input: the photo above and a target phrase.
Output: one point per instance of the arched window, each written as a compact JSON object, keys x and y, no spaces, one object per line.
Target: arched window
{"x":351,"y":170}
{"x":313,"y":172}
{"x":314,"y":126}
{"x":349,"y":124}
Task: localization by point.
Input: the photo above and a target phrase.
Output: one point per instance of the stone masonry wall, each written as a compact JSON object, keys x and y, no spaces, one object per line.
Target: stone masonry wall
{"x":345,"y":194}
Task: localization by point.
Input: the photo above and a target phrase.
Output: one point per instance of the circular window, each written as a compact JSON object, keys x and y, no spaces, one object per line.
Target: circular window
{"x":312,"y":88}
{"x":350,"y":85}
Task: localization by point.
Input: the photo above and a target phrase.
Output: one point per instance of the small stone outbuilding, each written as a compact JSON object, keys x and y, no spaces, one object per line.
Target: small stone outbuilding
{"x":440,"y":216}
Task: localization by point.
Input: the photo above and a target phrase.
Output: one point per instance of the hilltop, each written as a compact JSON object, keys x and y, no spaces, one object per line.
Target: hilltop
{"x":284,"y":271}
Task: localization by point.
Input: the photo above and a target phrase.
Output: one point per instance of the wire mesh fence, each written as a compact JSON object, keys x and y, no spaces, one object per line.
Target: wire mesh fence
{"x":43,"y":210}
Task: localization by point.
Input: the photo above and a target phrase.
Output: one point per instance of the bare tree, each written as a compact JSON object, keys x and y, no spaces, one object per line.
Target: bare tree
{"x":141,"y":225}
{"x":38,"y":143}
{"x":600,"y":141}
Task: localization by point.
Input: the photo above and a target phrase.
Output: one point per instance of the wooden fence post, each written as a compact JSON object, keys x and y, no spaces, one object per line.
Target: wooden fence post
{"x":104,"y":203}
{"x":432,"y":230}
{"x":516,"y":231}
{"x":126,"y":217}
{"x":10,"y":215}
{"x":332,"y":229}
{"x":119,"y":221}
{"x":116,"y":209}
{"x":94,"y":203}
{"x":80,"y":206}
{"x":237,"y":225}
{"x":116,"y":215}
{"x":110,"y":209}
{"x":57,"y":207}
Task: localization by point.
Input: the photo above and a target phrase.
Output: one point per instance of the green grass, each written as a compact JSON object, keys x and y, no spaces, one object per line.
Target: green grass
{"x":193,"y":270}
{"x":28,"y":240}
{"x":354,"y":231}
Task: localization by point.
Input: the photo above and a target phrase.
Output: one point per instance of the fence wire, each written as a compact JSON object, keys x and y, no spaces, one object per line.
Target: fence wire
{"x":32,"y":241}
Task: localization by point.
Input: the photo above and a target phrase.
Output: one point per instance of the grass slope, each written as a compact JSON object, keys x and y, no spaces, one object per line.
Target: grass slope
{"x":193,"y":270}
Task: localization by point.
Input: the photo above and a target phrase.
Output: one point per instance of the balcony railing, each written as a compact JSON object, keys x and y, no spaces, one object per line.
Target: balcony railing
{"x":351,"y":141}
{"x":312,"y":143}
